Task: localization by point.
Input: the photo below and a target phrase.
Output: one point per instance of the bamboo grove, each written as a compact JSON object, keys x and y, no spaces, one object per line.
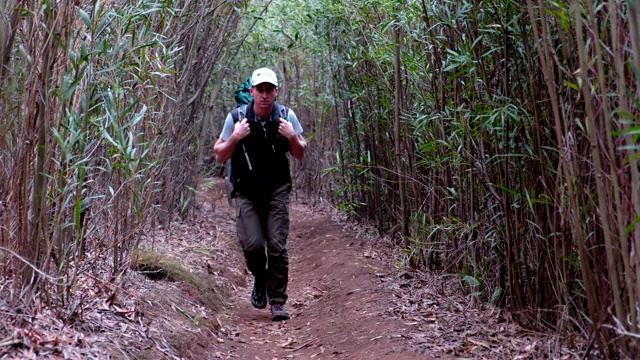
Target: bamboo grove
{"x":495,"y":139}
{"x":101,"y":121}
{"x":498,"y":140}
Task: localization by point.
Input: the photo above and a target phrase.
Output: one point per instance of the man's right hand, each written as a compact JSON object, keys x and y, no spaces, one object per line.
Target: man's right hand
{"x":241,"y":129}
{"x":224,"y":148}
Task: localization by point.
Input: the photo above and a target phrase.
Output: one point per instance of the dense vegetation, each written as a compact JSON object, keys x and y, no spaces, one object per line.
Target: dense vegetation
{"x":497,"y":140}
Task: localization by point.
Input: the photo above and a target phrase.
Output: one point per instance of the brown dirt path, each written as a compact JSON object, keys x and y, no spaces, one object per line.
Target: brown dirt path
{"x":338,"y":301}
{"x":347,"y":299}
{"x":338,"y":292}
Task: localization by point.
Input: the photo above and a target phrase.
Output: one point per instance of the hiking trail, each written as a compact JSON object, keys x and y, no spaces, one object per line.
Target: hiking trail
{"x":350,"y":297}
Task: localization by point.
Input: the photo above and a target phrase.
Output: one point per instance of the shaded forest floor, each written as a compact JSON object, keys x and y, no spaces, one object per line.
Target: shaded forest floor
{"x":350,"y":298}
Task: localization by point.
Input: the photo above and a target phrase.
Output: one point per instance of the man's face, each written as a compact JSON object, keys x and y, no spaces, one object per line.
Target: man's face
{"x":264,"y":95}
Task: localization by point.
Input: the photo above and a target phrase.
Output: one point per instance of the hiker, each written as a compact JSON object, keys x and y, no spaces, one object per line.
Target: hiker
{"x":256,"y":138}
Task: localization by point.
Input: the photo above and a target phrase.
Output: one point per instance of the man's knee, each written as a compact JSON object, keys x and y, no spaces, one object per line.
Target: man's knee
{"x":280,"y":253}
{"x":253,"y":246}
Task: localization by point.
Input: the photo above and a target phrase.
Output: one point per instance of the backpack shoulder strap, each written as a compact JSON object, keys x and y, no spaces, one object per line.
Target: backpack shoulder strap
{"x":238,"y":113}
{"x":284,"y":112}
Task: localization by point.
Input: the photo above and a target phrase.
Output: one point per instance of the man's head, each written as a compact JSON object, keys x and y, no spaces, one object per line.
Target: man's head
{"x":264,"y":89}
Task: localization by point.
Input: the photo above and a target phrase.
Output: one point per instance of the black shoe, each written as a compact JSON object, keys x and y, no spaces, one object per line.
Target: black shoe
{"x":279,"y":313}
{"x":258,"y":297}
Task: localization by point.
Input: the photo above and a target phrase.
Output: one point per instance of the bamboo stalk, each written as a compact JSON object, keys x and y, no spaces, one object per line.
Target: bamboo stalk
{"x":593,"y":132}
{"x":399,"y":169}
{"x":634,"y":26}
{"x":593,"y":128}
{"x":618,"y":52}
{"x":564,"y":150}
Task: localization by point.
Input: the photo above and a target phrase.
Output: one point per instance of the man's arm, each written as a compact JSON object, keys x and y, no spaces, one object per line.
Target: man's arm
{"x":224,"y":149}
{"x":297,"y":142}
{"x":298,"y":145}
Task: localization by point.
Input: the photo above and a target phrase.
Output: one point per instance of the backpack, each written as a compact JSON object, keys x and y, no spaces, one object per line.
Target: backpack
{"x":243,"y":98}
{"x":242,"y":93}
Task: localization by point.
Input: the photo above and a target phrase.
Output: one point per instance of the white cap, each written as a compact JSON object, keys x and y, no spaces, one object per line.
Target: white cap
{"x":264,"y":75}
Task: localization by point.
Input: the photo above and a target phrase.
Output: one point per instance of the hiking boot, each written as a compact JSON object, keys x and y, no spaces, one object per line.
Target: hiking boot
{"x":279,"y":313}
{"x":259,"y":296}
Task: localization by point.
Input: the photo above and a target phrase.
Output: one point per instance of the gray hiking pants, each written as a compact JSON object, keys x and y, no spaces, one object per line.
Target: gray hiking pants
{"x":265,"y":222}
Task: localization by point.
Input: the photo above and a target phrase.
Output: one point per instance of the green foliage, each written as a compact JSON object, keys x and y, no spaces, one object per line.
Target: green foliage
{"x":477,"y":146}
{"x":512,"y":161}
{"x":497,"y":152}
{"x":497,"y":293}
{"x":107,"y":100}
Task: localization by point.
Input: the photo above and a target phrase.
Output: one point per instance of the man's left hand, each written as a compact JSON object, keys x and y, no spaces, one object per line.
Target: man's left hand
{"x":286,"y":129}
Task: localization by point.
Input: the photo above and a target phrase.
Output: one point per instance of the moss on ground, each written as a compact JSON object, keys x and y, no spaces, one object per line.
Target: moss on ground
{"x":157,"y":266}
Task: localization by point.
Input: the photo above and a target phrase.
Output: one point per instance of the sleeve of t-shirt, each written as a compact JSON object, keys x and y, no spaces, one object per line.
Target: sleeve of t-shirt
{"x":227,"y":129}
{"x":293,"y":119}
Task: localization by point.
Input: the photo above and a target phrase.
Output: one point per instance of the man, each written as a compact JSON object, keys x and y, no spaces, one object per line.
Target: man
{"x":257,"y":138}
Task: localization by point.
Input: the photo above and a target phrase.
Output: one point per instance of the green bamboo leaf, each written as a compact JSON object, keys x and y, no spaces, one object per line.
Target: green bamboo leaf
{"x":140,"y":115}
{"x":572,"y":85}
{"x":476,"y":41}
{"x":495,"y":295}
{"x":627,"y":131}
{"x":77,"y":211}
{"x":106,"y":135}
{"x":385,"y":26}
{"x":472,"y":281}
{"x":96,"y":9}
{"x":85,"y":17}
{"x":631,"y":226}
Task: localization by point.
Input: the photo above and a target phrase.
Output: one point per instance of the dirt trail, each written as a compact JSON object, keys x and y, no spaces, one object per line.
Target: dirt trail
{"x":341,"y":296}
{"x":347,"y":299}
{"x":338,"y":301}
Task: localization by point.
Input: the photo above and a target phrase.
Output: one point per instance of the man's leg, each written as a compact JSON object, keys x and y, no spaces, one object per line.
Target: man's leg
{"x":252,"y":240}
{"x":277,"y":233}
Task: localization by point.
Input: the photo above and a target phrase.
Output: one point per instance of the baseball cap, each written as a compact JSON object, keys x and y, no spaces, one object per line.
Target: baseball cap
{"x":264,"y":75}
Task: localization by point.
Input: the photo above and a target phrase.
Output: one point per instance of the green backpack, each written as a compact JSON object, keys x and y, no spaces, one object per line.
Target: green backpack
{"x":242,"y":93}
{"x":243,"y":97}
